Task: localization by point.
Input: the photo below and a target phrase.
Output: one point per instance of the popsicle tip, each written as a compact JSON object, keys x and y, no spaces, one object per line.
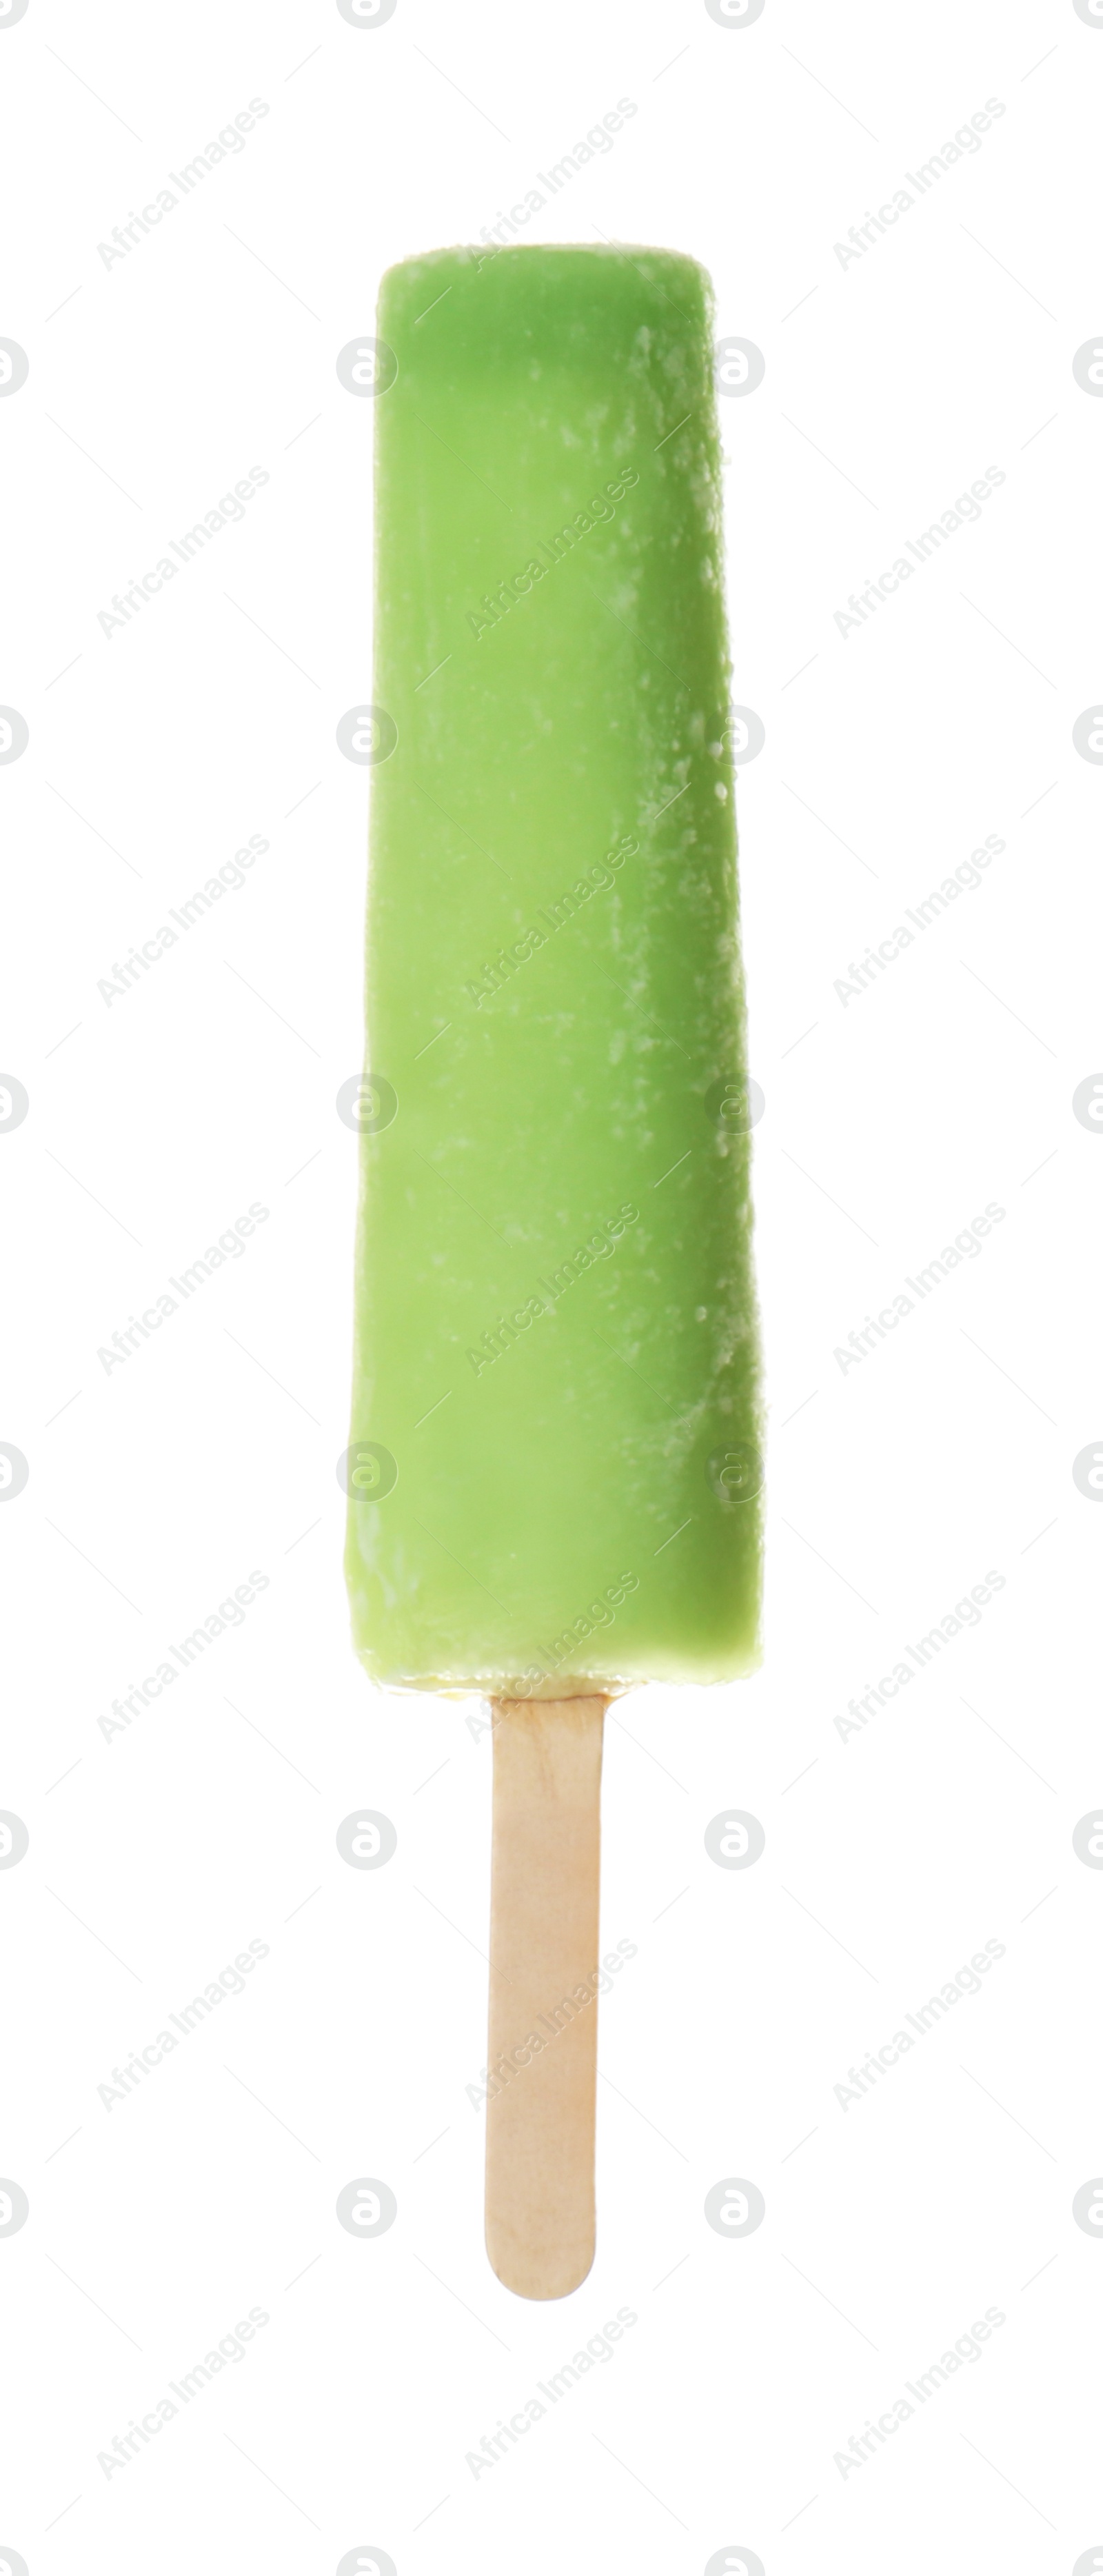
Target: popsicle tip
{"x":488,"y":256}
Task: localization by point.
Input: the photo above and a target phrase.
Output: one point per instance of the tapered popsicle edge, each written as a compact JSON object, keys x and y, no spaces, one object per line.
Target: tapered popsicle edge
{"x":540,"y":2222}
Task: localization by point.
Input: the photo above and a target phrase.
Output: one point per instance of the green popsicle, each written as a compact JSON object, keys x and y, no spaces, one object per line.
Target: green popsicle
{"x":554,"y":1471}
{"x":555,"y":1464}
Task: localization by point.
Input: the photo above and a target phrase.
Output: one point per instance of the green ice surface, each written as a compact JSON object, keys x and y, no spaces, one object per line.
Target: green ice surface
{"x":575,"y":1499}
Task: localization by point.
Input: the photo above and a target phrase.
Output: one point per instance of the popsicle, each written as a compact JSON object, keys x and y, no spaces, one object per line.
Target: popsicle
{"x":555,"y":1461}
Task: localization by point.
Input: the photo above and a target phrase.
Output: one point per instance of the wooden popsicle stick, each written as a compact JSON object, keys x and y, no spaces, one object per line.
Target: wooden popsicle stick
{"x":544,"y":1948}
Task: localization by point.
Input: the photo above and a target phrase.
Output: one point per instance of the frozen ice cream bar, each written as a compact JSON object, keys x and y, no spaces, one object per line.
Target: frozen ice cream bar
{"x":554,"y":1469}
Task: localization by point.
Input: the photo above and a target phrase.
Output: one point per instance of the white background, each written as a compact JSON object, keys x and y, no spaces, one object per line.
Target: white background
{"x":155,"y":1120}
